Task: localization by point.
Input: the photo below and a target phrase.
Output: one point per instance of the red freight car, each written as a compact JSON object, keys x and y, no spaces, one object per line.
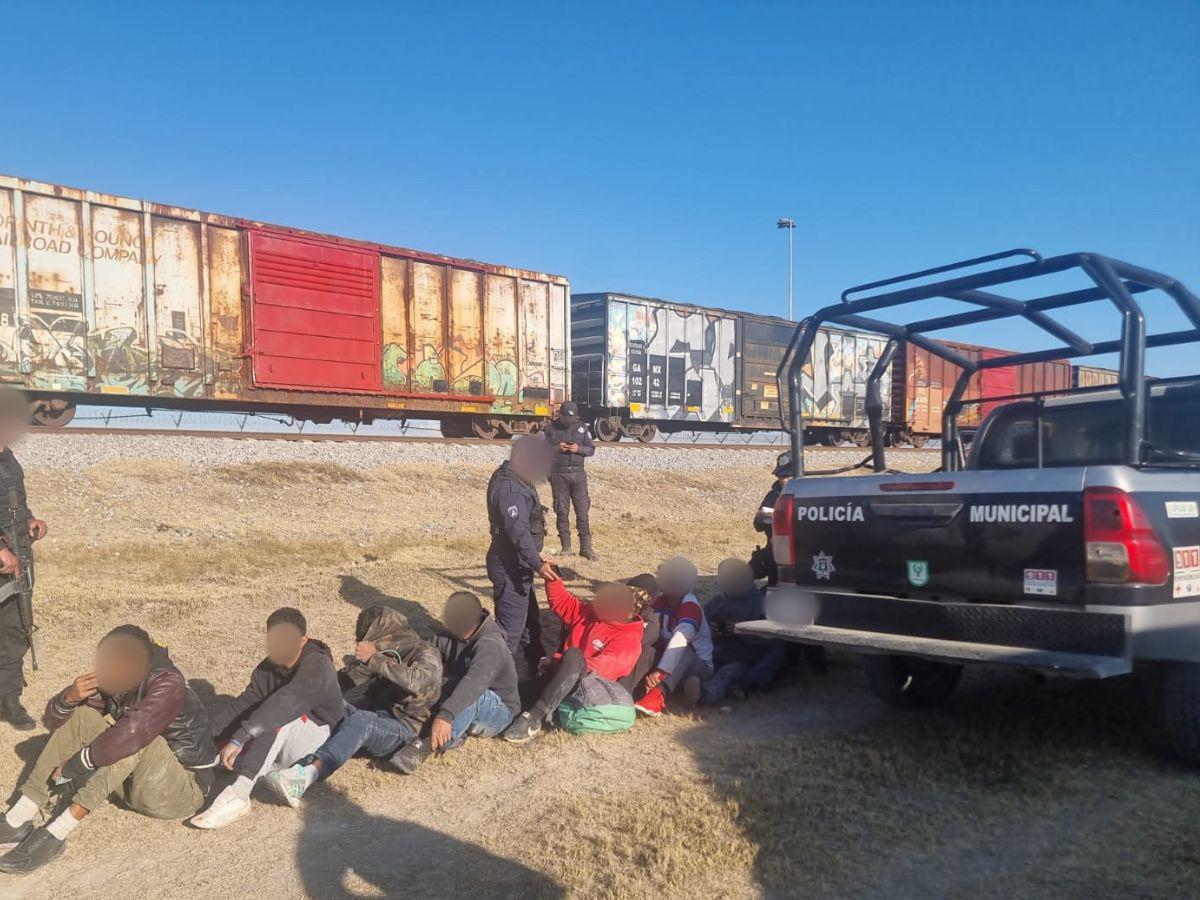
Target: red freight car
{"x":928,"y":381}
{"x":109,"y":300}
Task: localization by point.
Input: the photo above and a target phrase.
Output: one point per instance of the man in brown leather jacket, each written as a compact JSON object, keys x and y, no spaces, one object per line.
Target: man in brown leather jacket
{"x":131,"y":728}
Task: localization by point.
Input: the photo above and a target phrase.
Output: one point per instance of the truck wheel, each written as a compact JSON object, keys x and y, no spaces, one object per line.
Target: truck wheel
{"x":1181,"y":709}
{"x":909,"y":683}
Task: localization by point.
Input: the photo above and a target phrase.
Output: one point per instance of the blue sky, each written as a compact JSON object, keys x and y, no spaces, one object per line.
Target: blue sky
{"x":646,"y":148}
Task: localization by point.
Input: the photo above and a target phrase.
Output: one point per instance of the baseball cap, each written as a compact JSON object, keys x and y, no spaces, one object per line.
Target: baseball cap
{"x":569,"y":410}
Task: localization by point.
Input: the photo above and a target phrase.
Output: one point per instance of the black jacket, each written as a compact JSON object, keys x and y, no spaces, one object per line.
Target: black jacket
{"x":763,"y":521}
{"x":162,"y":705}
{"x":558,"y":432}
{"x":516,"y":516}
{"x":276,"y":696}
{"x":480,"y":663}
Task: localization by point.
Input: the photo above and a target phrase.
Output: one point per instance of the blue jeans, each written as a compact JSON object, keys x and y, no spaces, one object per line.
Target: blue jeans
{"x":486,"y":717}
{"x":758,"y":674}
{"x":375,"y":733}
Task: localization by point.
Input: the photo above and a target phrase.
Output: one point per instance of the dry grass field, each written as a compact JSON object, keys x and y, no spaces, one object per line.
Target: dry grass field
{"x":1018,"y":789}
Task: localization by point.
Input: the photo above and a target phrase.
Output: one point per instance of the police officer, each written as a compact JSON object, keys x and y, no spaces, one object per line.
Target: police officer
{"x":568,"y":479}
{"x":18,"y":530}
{"x":518,"y":525}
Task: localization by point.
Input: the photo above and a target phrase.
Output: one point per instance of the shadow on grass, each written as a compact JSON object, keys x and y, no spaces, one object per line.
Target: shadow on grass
{"x":346,"y":852}
{"x":1015,"y":789}
{"x":362,"y":595}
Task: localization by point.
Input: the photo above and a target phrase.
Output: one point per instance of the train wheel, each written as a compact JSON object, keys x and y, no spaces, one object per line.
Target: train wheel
{"x":454,"y":428}
{"x":862,"y":438}
{"x":919,"y":440}
{"x":488,"y":429}
{"x":607,"y":428}
{"x":649,"y":433}
{"x":53,"y":413}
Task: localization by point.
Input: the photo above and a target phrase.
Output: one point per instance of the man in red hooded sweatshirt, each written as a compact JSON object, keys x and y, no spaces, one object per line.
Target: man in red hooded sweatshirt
{"x":603,"y":643}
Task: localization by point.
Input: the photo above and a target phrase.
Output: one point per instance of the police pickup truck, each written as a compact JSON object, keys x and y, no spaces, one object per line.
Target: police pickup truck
{"x":1067,"y":542}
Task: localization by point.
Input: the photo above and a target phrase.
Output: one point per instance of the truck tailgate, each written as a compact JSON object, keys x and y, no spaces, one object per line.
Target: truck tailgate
{"x":999,"y":535}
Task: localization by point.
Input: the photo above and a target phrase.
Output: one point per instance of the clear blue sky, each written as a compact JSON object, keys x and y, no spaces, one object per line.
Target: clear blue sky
{"x":640,"y":147}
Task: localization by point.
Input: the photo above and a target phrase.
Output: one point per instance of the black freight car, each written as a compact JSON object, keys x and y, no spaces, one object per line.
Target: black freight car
{"x":641,"y":365}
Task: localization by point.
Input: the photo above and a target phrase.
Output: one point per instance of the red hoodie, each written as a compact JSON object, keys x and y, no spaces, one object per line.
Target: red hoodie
{"x":611,"y":649}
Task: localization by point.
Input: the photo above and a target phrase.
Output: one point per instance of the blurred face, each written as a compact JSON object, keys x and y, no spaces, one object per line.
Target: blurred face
{"x":613,"y":603}
{"x":674,"y":581}
{"x":284,"y":643}
{"x":14,"y":417}
{"x":461,"y":618}
{"x":121,"y":664}
{"x":735,"y":579}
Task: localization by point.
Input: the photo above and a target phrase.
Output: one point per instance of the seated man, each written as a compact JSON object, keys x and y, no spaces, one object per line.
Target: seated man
{"x":479,"y":682}
{"x":686,"y":648}
{"x":743,"y":663}
{"x":133,"y":729}
{"x":285,"y":713}
{"x":645,"y":592}
{"x":602,"y":643}
{"x":390,"y":684}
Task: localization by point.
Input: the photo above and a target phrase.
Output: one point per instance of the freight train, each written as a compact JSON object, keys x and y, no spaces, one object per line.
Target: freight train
{"x":643,"y":365}
{"x":112,"y":301}
{"x":115,"y":301}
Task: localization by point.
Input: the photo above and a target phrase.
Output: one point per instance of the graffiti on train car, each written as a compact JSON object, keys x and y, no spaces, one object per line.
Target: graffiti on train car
{"x":54,"y":336}
{"x":833,"y":385}
{"x":670,"y":364}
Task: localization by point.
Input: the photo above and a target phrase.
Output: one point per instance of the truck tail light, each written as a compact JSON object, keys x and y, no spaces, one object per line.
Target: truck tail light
{"x":783,"y":526}
{"x":1121,"y":545}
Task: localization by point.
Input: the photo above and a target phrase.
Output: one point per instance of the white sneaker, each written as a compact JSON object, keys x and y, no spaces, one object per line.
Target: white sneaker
{"x":226,"y":809}
{"x":290,"y":783}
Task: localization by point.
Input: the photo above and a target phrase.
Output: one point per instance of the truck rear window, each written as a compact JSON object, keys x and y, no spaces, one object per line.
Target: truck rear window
{"x":1085,"y":433}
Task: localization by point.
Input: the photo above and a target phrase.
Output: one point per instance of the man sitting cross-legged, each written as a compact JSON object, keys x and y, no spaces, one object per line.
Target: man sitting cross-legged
{"x":131,"y":728}
{"x":479,"y":683}
{"x":285,"y":713}
{"x":602,"y":644}
{"x":393,"y":680}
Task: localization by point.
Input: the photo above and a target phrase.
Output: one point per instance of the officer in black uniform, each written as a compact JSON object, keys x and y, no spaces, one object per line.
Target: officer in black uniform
{"x":518,"y":526}
{"x":762,"y":562}
{"x":568,"y":479}
{"x":18,"y":530}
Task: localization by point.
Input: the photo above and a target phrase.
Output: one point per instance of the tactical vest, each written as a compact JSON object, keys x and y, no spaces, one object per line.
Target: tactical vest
{"x":537,"y":512}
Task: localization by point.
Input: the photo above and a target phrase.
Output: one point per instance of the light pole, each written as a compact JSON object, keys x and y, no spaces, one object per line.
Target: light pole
{"x":790,"y":225}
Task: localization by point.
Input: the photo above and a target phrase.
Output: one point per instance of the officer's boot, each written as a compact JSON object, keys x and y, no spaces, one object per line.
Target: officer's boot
{"x":585,"y":548}
{"x":12,"y":712}
{"x":565,"y":548}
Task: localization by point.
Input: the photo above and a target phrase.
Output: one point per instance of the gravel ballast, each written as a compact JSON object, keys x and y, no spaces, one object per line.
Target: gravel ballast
{"x":78,"y":452}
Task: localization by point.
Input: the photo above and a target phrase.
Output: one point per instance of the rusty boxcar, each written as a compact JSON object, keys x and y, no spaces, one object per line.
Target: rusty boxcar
{"x":928,"y":380}
{"x":643,"y":365}
{"x":105,"y":299}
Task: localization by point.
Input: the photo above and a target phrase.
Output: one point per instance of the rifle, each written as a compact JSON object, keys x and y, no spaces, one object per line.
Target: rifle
{"x":22,"y":584}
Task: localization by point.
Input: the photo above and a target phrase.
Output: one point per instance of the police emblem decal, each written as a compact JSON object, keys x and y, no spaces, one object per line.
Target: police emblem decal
{"x":512,"y":512}
{"x":823,"y":566}
{"x":918,"y":572}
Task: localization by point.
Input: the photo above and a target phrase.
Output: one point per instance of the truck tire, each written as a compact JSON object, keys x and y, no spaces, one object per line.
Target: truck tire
{"x":909,"y":683}
{"x":1181,"y":709}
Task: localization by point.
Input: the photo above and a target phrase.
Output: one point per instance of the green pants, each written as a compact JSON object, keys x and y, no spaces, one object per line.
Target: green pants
{"x":151,"y":781}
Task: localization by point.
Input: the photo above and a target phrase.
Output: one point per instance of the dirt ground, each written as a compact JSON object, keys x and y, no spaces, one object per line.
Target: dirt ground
{"x":1018,"y":789}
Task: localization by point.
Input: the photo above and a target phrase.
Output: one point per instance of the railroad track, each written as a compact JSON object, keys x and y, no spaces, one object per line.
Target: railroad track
{"x":83,"y":430}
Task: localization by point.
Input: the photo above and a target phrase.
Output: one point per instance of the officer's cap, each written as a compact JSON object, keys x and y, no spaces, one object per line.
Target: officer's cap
{"x":783,"y":464}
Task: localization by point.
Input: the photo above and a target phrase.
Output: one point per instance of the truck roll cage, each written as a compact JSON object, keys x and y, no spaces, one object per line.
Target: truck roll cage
{"x":1112,"y":280}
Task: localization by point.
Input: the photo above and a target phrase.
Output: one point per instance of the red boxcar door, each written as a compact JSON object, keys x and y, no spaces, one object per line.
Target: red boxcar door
{"x":315,"y":314}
